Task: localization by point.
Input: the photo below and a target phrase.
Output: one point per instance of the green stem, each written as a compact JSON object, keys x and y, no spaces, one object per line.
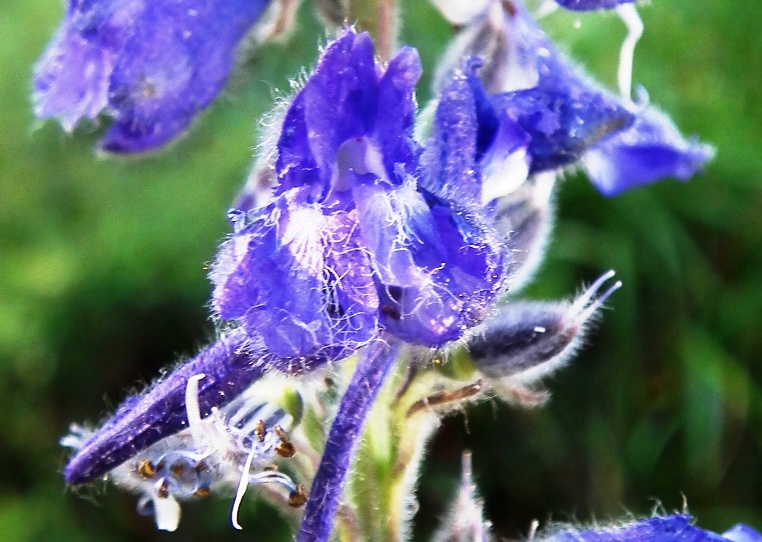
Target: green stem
{"x":380,"y":18}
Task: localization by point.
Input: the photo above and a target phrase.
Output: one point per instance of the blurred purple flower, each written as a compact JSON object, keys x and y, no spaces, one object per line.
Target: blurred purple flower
{"x":152,"y":66}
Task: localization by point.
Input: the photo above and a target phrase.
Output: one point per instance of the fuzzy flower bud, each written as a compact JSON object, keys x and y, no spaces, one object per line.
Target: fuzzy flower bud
{"x":526,"y":340}
{"x":465,"y":521}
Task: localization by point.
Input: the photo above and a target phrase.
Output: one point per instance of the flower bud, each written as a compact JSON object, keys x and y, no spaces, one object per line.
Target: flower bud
{"x":525,"y":341}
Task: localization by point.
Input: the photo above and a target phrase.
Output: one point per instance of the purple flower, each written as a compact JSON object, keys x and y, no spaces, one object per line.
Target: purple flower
{"x":565,"y":116}
{"x":152,"y":66}
{"x":674,"y":528}
{"x":360,"y":242}
{"x":366,"y":232}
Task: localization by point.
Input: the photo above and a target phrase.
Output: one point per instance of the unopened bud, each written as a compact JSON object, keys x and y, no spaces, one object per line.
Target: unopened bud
{"x":465,"y":522}
{"x":525,"y":341}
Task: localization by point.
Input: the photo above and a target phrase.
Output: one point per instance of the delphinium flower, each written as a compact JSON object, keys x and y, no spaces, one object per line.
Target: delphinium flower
{"x":536,"y":87}
{"x":672,"y":528}
{"x":369,"y":240}
{"x":150,"y":65}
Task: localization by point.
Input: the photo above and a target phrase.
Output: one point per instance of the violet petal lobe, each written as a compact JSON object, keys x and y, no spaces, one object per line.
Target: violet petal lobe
{"x":71,"y":80}
{"x":651,"y":150}
{"x":151,"y":66}
{"x":438,"y":268}
{"x":160,"y":412}
{"x":347,"y":85}
{"x":347,"y":427}
{"x":298,"y":281}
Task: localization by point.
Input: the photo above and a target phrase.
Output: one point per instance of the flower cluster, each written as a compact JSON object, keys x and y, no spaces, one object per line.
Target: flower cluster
{"x":375,"y":238}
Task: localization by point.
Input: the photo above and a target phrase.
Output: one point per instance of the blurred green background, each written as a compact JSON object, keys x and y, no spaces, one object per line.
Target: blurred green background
{"x":102,"y":283}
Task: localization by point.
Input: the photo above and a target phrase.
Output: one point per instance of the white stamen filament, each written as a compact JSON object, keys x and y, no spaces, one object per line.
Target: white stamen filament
{"x":243,"y":484}
{"x":193,"y":410}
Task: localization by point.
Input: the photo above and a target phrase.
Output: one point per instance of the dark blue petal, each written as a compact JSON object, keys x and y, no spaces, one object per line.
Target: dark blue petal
{"x":565,"y":113}
{"x":675,"y":528}
{"x":589,"y":5}
{"x":350,"y":116}
{"x":339,"y":102}
{"x":393,"y":131}
{"x":296,"y":165}
{"x":328,"y":485}
{"x":653,"y":149}
{"x":449,"y":162}
{"x":562,"y":125}
{"x":229,"y":368}
{"x":470,"y":138}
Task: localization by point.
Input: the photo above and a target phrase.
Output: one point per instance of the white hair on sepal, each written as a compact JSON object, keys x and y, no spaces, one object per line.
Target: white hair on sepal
{"x":262,"y":178}
{"x":225,"y":452}
{"x":525,"y":341}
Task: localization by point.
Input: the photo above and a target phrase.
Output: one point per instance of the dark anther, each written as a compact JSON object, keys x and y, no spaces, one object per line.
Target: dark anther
{"x":146,"y":469}
{"x":297,"y":498}
{"x":285,"y":449}
{"x":391,"y":312}
{"x":202,"y":492}
{"x":259,"y":431}
{"x":163,"y":490}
